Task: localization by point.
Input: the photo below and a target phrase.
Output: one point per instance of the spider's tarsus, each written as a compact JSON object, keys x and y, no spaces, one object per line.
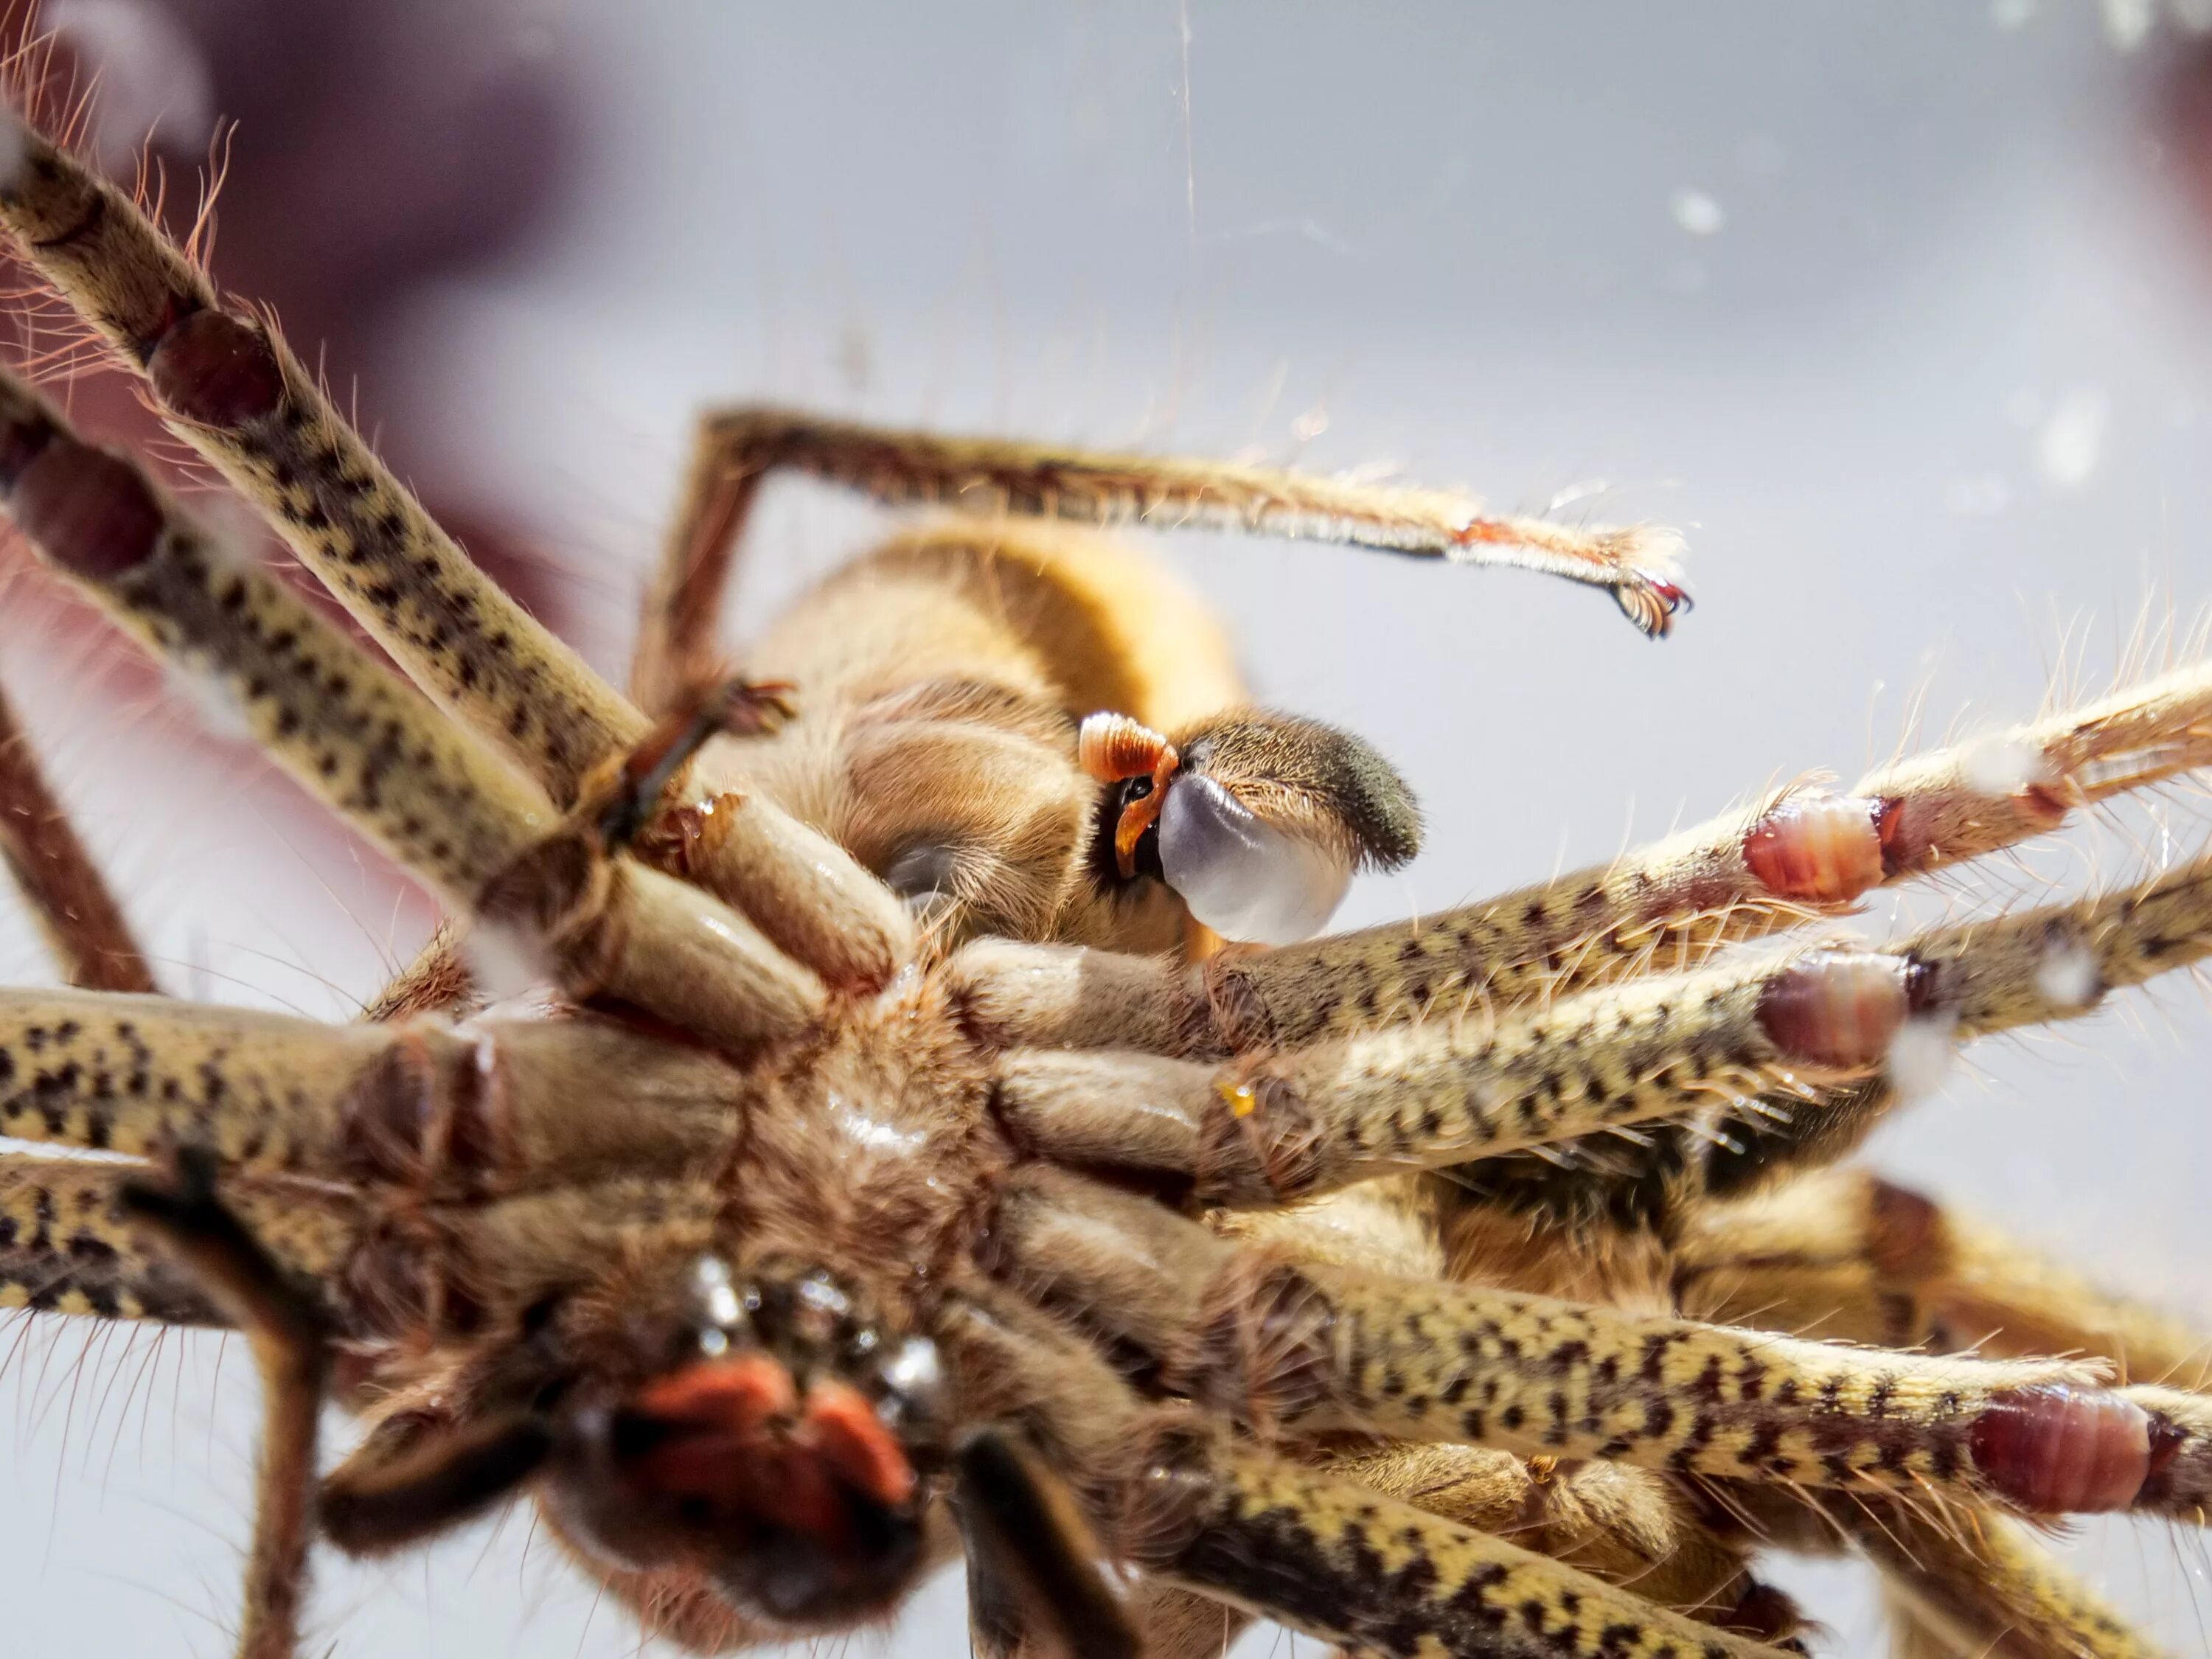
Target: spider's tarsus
{"x":1652,"y":601}
{"x":739,"y":707}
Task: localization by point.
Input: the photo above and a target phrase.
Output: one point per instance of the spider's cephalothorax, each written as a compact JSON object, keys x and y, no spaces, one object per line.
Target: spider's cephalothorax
{"x":903,"y":1166}
{"x":778,"y":1445}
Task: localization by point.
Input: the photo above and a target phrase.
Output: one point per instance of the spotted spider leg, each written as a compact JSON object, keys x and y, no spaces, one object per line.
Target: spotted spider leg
{"x":1847,"y":1254}
{"x":1633,"y":1526}
{"x":226,"y":383}
{"x":1825,"y":1027}
{"x":1795,"y":857}
{"x":1303,"y":1348}
{"x":734,"y":449}
{"x":1197,"y":1511}
{"x":478,"y":834}
{"x":1986,"y":1590}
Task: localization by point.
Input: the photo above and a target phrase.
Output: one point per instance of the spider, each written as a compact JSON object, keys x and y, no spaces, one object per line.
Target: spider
{"x":900,"y":1165}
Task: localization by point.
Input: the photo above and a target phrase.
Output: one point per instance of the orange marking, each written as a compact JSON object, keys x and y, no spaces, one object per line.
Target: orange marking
{"x":854,"y":1443}
{"x":1114,"y":747}
{"x":737,"y":1394}
{"x":1241,"y":1099}
{"x":739,"y":1438}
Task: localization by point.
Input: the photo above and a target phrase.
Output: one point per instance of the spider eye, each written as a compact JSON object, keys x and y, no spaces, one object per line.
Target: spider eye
{"x":912,"y":1383}
{"x":1240,"y":875}
{"x":924,"y":876}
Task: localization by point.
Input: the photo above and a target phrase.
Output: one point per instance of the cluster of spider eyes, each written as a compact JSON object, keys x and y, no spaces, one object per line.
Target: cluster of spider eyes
{"x":811,"y":1323}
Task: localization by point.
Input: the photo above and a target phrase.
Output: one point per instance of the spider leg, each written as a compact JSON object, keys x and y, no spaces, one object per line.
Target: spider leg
{"x":1984,"y":1588}
{"x":494,"y":1108}
{"x":290,"y":1335}
{"x":1308,"y":1547}
{"x":1032,"y":1562}
{"x":68,"y":1249}
{"x":1630,"y":1526}
{"x":1267,"y":1130}
{"x":1626,"y":1525}
{"x":484,"y":838}
{"x":388,"y":1495}
{"x":84,"y":926}
{"x":1801,"y":854}
{"x":1336,"y":1561}
{"x":735,"y":447}
{"x":683,"y":606}
{"x":228,"y":385}
{"x":1312,"y":1349}
{"x":1814,"y":1039}
{"x":1846,"y":1254}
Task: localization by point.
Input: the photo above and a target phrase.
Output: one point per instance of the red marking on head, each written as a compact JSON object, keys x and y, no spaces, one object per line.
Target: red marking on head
{"x":736,"y":1435}
{"x":1817,"y":849}
{"x":854,"y":1441}
{"x":1836,"y":1008}
{"x":737,"y":1395}
{"x":93,"y":515}
{"x":2058,"y":1449}
{"x":216,"y":369}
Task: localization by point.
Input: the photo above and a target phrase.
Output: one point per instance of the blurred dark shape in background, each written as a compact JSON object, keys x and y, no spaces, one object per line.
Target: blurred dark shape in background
{"x":379,"y":148}
{"x":2179,"y":111}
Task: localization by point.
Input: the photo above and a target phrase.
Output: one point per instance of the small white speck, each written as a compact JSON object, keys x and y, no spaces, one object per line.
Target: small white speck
{"x":2072,"y":441}
{"x":216,"y":703}
{"x":2000,"y":766}
{"x":1919,"y":1056}
{"x":1696,"y":212}
{"x":155,"y":80}
{"x":1310,"y":425}
{"x":2067,"y":976}
{"x":2128,"y":22}
{"x":504,"y":961}
{"x":2011,"y":14}
{"x":872,"y":1132}
{"x":228,"y":533}
{"x":1977,"y":496}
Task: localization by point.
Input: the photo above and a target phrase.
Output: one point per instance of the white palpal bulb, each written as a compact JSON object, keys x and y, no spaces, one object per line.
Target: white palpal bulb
{"x":1241,"y":877}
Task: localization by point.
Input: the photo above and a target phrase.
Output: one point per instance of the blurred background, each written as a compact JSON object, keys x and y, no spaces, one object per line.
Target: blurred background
{"x":1904,"y":312}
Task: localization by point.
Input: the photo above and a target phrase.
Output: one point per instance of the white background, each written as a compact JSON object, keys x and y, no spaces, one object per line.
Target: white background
{"x":1899,"y":310}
